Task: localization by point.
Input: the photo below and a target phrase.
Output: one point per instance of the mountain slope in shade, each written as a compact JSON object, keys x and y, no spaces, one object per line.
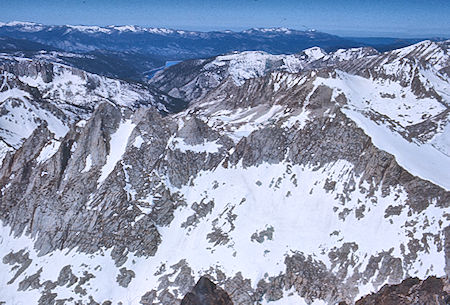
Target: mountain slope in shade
{"x":281,"y":186}
{"x":9,"y":44}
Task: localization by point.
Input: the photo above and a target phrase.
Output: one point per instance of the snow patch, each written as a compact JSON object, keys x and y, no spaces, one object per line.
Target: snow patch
{"x":88,"y":164}
{"x":117,"y":147}
{"x":205,"y":147}
{"x":48,"y":151}
{"x":138,"y":141}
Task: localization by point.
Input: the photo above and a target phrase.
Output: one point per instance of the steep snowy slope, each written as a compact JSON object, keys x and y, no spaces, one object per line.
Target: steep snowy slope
{"x":304,"y":188}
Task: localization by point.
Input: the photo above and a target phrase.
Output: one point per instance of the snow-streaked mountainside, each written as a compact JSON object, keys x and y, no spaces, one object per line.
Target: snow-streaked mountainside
{"x":312,"y":178}
{"x":38,"y":91}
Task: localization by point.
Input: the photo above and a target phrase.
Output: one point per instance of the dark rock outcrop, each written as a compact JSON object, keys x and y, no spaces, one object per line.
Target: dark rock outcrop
{"x":206,"y":292}
{"x":432,"y":291}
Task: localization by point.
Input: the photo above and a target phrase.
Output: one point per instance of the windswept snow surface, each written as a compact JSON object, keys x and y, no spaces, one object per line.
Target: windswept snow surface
{"x":422,"y":160}
{"x":315,"y":53}
{"x":441,"y":141}
{"x":242,"y":122}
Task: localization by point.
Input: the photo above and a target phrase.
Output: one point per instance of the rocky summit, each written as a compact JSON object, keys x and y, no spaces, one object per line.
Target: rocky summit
{"x":311,"y":178}
{"x":206,"y":292}
{"x":411,"y":291}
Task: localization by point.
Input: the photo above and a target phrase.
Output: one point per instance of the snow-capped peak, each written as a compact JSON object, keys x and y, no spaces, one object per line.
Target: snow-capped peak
{"x":19,"y":23}
{"x":433,"y":52}
{"x":314,"y":53}
{"x":126,"y":28}
{"x":34,"y":27}
{"x":269,"y":30}
{"x":352,"y":53}
{"x":160,"y":31}
{"x":88,"y":28}
{"x":24,"y":26}
{"x":250,"y":64}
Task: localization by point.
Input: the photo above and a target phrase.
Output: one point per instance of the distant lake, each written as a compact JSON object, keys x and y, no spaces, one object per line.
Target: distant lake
{"x":169,"y":63}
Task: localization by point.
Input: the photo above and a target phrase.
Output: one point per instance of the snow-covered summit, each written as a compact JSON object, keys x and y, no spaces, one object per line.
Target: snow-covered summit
{"x":123,"y":29}
{"x":314,"y":53}
{"x":90,"y":29}
{"x":278,"y":30}
{"x":20,"y":23}
{"x":251,"y":64}
{"x":351,"y":54}
{"x":24,"y":26}
{"x":111,"y":29}
{"x":436,"y":54}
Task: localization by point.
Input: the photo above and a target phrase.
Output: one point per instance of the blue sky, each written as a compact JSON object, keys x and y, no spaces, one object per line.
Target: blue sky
{"x":398,"y":18}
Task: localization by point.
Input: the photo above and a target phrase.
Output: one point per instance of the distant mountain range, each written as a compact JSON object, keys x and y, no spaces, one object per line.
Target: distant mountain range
{"x":133,"y":52}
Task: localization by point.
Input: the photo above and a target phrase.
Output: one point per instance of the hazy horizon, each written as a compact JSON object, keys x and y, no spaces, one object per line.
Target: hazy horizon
{"x":342,"y":33}
{"x":347,"y":18}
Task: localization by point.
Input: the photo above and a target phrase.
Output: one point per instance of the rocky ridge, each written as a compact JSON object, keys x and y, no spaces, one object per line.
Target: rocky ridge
{"x":411,"y":291}
{"x":281,"y":184}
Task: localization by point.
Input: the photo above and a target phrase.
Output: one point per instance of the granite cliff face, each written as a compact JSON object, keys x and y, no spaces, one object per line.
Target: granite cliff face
{"x":315,"y":182}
